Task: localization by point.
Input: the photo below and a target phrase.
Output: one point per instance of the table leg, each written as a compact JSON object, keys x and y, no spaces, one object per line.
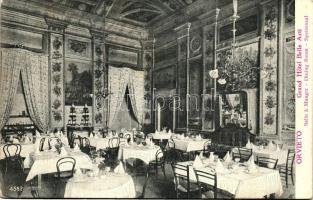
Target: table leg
{"x":39,"y":181}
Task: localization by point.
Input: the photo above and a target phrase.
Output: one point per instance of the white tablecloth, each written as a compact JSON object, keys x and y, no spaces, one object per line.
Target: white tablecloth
{"x":161,"y":136}
{"x":242,"y":184}
{"x":144,"y":153}
{"x":105,"y":186}
{"x":46,"y":162}
{"x":189,"y":144}
{"x":281,"y":155}
{"x":102,"y":143}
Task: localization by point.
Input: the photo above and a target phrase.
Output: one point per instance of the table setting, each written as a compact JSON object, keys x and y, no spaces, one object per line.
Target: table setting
{"x":237,"y":178}
{"x":44,"y":162}
{"x":145,"y":151}
{"x":188,"y":144}
{"x":270,"y":150}
{"x":101,"y":182}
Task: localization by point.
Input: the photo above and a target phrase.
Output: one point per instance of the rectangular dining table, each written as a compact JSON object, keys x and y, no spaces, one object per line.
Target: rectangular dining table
{"x":280,"y":154}
{"x":103,"y":143}
{"x":190,"y":144}
{"x":239,"y":181}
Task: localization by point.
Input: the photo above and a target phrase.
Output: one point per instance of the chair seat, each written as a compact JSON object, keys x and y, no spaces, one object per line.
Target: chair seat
{"x":182,"y":186}
{"x":154,"y":162}
{"x":66,"y":174}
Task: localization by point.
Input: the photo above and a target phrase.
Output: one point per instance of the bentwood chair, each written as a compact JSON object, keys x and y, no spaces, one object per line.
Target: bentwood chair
{"x":42,"y":143}
{"x":207,"y":182}
{"x":267,"y":162}
{"x":65,"y":170}
{"x":182,"y":180}
{"x":52,"y":141}
{"x":85,"y":145}
{"x":13,"y":157}
{"x":158,"y":162}
{"x":287,"y":169}
{"x":244,"y":154}
{"x":112,"y":151}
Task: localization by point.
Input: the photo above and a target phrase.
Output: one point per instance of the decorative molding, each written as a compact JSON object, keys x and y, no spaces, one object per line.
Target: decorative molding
{"x":56,"y":25}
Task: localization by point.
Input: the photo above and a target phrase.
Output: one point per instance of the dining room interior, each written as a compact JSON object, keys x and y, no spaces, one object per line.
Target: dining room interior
{"x":147,"y":99}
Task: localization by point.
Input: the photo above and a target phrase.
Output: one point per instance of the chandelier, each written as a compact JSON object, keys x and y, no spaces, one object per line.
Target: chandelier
{"x":230,"y":71}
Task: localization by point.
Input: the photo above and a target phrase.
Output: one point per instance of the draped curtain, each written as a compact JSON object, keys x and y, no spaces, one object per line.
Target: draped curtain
{"x":34,"y":70}
{"x":136,"y":93}
{"x":119,"y":80}
{"x":34,"y":78}
{"x":9,"y":76}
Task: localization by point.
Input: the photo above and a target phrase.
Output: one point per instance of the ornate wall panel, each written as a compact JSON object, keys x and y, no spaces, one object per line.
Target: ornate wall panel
{"x":56,"y":49}
{"x":288,"y":122}
{"x":268,"y":85}
{"x":208,"y":83}
{"x":100,"y":74}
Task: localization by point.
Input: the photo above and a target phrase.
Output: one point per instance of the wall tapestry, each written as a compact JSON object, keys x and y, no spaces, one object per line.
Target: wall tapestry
{"x":78,"y":83}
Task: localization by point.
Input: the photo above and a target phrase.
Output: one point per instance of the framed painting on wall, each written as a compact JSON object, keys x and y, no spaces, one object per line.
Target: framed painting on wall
{"x":78,"y":82}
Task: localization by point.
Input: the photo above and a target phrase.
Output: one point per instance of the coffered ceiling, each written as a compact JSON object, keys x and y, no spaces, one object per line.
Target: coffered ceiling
{"x":136,"y":12}
{"x":142,"y":13}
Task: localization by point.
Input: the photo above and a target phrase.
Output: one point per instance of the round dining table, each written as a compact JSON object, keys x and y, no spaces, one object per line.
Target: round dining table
{"x":109,"y":185}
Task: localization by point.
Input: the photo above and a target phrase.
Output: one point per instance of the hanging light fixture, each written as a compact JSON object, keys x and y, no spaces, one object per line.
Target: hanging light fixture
{"x":223,"y":75}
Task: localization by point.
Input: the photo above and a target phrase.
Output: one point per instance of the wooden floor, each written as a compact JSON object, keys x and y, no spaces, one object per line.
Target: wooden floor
{"x":158,"y":186}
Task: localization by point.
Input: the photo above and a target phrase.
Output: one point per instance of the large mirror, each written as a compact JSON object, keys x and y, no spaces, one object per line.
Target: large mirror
{"x":239,"y":108}
{"x":233,"y":109}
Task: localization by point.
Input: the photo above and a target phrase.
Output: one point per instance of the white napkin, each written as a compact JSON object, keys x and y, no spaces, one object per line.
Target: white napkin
{"x":15,"y":141}
{"x":219,"y":166}
{"x":63,"y":152}
{"x":170,"y":131}
{"x":37,"y":146}
{"x":76,"y":147}
{"x":211,"y":157}
{"x":248,"y":145}
{"x":251,"y":159}
{"x":277,"y":147}
{"x":37,"y":134}
{"x":198,"y":162}
{"x":119,"y":169}
{"x":227,"y":157}
{"x":78,"y":172}
{"x":270,"y":145}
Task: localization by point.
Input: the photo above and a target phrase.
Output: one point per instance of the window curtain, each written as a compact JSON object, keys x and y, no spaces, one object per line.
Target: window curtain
{"x":34,"y":70}
{"x":34,"y":78}
{"x":9,"y":76}
{"x":136,"y":93}
{"x":119,"y":79}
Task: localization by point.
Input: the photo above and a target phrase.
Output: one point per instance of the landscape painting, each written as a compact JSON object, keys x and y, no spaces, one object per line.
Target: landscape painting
{"x":78,"y":83}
